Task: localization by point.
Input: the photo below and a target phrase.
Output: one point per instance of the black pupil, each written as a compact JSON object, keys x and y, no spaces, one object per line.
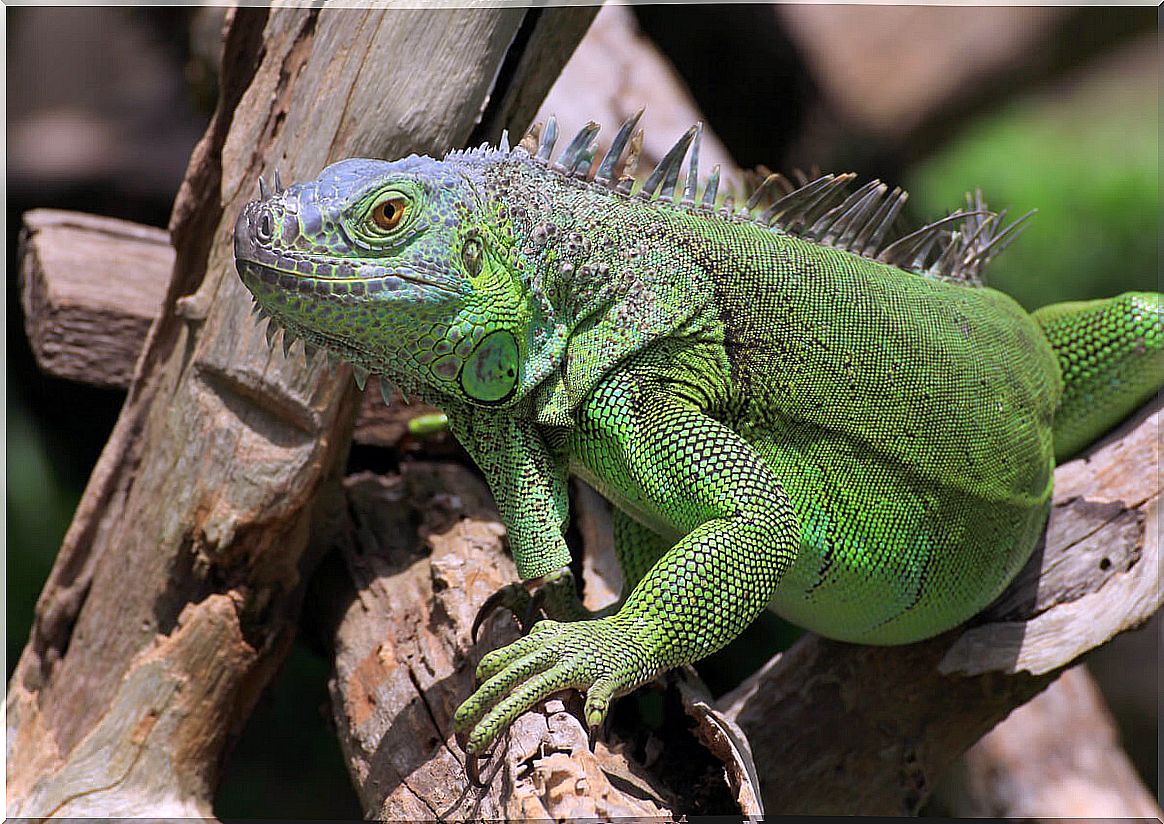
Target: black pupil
{"x":389,"y":212}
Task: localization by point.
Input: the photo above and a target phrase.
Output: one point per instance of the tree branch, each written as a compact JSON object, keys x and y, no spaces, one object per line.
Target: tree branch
{"x":1056,"y":757}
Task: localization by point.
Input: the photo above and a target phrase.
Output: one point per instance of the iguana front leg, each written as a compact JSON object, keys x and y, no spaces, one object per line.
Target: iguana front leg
{"x":528,"y":482}
{"x":739,"y":534}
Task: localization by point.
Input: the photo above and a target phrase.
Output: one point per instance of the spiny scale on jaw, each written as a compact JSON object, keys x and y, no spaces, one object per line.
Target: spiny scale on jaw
{"x":824,"y":209}
{"x":311,"y":352}
{"x":265,"y":191}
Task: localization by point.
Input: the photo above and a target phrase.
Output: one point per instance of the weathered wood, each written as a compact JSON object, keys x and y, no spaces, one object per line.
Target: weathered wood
{"x":90,"y":287}
{"x":887,"y":721}
{"x":423,"y":551}
{"x":177,"y":589}
{"x":1057,"y":757}
{"x":553,"y":36}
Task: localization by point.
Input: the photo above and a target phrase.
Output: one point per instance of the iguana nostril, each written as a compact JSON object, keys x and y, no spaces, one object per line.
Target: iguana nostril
{"x":264,"y":227}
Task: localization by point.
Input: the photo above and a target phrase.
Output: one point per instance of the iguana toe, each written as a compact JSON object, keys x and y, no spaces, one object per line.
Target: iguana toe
{"x":596,"y":657}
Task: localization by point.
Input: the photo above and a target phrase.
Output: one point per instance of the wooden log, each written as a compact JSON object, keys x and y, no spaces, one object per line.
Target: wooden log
{"x":886,"y":722}
{"x":177,"y":590}
{"x":1057,"y":757}
{"x":424,"y":549}
{"x":90,"y":287}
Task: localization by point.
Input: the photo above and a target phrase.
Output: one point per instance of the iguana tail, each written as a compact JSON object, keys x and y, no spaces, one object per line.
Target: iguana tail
{"x":1111,"y":356}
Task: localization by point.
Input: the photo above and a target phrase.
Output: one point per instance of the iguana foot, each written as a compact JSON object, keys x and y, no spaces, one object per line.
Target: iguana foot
{"x":600,"y":658}
{"x":553,"y":596}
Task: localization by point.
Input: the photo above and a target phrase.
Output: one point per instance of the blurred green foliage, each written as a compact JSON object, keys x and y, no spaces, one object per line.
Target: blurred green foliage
{"x":1088,"y":160}
{"x":39,"y":506}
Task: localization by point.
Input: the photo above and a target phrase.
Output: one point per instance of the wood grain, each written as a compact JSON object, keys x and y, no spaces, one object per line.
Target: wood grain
{"x":90,"y":287}
{"x":1056,"y":757}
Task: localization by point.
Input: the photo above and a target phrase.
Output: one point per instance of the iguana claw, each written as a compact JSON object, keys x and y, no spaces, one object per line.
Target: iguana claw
{"x":513,"y":597}
{"x":536,"y":604}
{"x":472,"y":771}
{"x":553,"y":595}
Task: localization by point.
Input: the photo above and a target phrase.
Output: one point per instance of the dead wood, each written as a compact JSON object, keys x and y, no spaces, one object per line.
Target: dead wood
{"x":1056,"y":757}
{"x":422,"y":552}
{"x":178,"y":586}
{"x":90,"y":287}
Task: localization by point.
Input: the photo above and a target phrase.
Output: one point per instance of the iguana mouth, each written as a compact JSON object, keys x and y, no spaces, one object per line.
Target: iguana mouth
{"x":308,"y":285}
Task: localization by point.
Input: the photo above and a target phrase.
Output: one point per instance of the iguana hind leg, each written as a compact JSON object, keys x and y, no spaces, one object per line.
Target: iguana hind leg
{"x":1111,"y":357}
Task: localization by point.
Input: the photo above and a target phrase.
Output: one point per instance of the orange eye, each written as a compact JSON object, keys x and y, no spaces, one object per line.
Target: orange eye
{"x":388,"y":213}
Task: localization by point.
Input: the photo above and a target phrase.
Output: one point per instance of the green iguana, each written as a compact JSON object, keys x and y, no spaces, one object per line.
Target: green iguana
{"x":787,"y":409}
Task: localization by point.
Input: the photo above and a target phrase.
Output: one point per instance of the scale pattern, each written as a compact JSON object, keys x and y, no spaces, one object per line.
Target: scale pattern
{"x":790,"y":406}
{"x":1111,"y":355}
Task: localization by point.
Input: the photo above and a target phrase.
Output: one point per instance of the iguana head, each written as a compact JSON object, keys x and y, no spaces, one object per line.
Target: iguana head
{"x":394,"y":267}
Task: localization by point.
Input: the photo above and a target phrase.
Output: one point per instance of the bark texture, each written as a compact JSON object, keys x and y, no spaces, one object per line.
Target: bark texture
{"x":1056,"y":757}
{"x":90,"y":287}
{"x":422,"y":551}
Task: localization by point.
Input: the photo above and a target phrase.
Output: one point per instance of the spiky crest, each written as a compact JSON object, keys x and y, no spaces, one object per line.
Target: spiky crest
{"x":820,"y":207}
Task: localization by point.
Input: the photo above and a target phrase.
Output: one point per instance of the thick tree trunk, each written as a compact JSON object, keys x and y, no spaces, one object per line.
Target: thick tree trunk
{"x":178,"y":587}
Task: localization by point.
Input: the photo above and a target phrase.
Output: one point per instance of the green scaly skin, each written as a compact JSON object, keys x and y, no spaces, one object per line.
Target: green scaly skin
{"x":864,"y":449}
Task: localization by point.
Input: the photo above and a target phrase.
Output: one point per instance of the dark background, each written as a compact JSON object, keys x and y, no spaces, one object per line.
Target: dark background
{"x":1055,"y":109}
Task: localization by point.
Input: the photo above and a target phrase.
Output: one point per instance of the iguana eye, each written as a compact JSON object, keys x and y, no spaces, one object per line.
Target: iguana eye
{"x":388,"y":213}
